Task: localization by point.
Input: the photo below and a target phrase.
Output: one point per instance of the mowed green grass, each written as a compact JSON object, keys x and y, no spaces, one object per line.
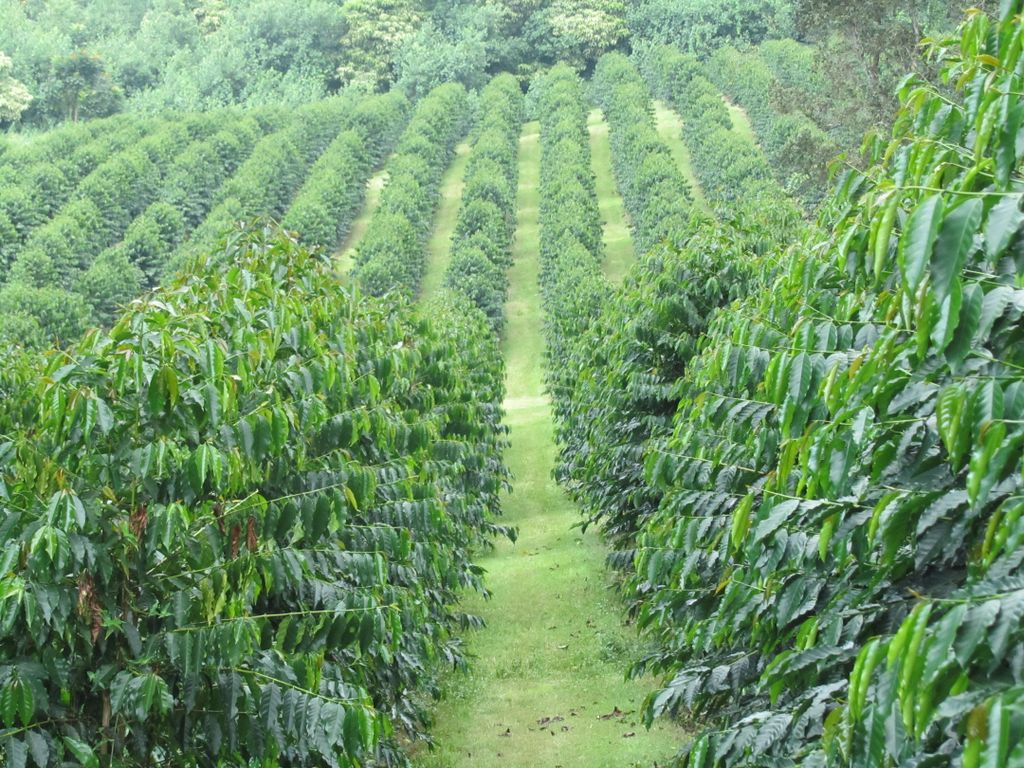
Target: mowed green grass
{"x":546,"y":686}
{"x":439,"y":247}
{"x":741,"y":121}
{"x":345,"y":255}
{"x":619,"y":254}
{"x":670,"y":129}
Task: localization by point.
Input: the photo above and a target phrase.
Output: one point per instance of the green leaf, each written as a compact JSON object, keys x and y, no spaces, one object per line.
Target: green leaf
{"x":971,"y":306}
{"x":1011,"y":111}
{"x":918,"y":240}
{"x":776,"y":516}
{"x":17,"y":753}
{"x":38,"y":748}
{"x":954,"y":243}
{"x":1003,"y":222}
{"x":156,"y":395}
{"x":83,"y":752}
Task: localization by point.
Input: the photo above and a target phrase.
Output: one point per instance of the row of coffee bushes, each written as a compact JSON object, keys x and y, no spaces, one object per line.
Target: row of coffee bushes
{"x":102,"y":249}
{"x":43,"y":297}
{"x":832,"y":573}
{"x":482,"y":241}
{"x":237,"y":525}
{"x":646,"y":334}
{"x":141,"y":258}
{"x":391,"y":255}
{"x":573,"y":287}
{"x":38,"y":179}
{"x":265,"y":184}
{"x":733,"y":171}
{"x":327,"y":204}
{"x":799,"y":150}
{"x":656,"y":195}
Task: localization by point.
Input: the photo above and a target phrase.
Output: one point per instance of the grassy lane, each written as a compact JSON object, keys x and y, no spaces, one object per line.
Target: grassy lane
{"x":670,"y":128}
{"x":546,"y":687}
{"x":344,"y":255}
{"x":618,"y":244}
{"x":439,"y":248}
{"x":740,"y":121}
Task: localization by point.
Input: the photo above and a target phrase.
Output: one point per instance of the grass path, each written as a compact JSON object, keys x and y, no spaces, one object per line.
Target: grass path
{"x":343,"y":257}
{"x":741,"y":121}
{"x":618,"y":245}
{"x":439,"y":247}
{"x":546,"y":687}
{"x":670,"y":128}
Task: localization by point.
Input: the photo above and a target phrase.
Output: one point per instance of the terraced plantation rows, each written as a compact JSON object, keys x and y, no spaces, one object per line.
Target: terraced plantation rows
{"x":561,"y":421}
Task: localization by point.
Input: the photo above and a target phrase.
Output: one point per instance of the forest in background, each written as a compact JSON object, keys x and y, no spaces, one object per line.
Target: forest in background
{"x":71,"y":59}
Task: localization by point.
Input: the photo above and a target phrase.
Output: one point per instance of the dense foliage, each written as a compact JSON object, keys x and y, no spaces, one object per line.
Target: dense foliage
{"x":700,"y":26}
{"x":656,"y":195}
{"x":236,"y":525}
{"x":327,"y":203}
{"x":832,"y":575}
{"x":482,"y":241}
{"x":87,"y":59}
{"x":84,"y":244}
{"x":733,"y":171}
{"x":799,"y":151}
{"x":573,"y":287}
{"x":639,"y":345}
{"x":266,"y":182}
{"x":391,"y":255}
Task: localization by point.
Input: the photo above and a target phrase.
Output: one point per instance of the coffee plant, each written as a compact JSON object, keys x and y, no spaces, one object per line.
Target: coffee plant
{"x":236,"y":525}
{"x":833,"y":573}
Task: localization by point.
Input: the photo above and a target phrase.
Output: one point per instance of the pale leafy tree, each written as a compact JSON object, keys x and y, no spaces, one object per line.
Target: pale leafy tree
{"x":14,"y":97}
{"x":375,"y":31}
{"x":210,"y":15}
{"x":579,"y":31}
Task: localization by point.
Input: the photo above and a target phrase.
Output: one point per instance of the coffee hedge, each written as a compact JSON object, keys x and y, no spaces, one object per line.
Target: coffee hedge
{"x":833,"y":574}
{"x":482,"y":241}
{"x":329,"y":200}
{"x":391,"y":253}
{"x":265,"y":184}
{"x":573,"y":288}
{"x":800,"y":152}
{"x":733,"y":172}
{"x":40,"y":178}
{"x":654,"y":192}
{"x":237,"y":524}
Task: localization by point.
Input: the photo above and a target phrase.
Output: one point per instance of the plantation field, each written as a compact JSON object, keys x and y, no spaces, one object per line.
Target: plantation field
{"x":589,"y":412}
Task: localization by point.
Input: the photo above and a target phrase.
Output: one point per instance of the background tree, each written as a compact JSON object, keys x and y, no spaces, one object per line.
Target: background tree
{"x":700,"y":26}
{"x":435,"y":55}
{"x":577,"y":32}
{"x":14,"y":97}
{"x":374,"y":32}
{"x":866,"y":48}
{"x":81,"y":85}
